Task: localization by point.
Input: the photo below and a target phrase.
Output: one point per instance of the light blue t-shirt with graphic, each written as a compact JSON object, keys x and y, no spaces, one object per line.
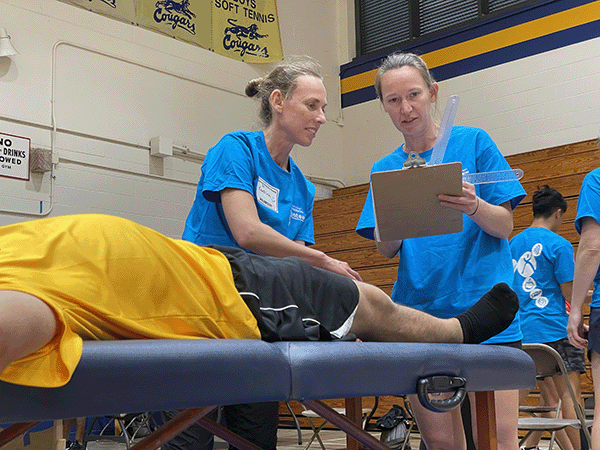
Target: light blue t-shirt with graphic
{"x":542,"y":261}
{"x":240,"y":160}
{"x":588,"y":205}
{"x":445,"y":275}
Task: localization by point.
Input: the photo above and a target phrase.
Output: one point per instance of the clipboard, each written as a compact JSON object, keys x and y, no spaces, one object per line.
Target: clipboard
{"x":405,"y":201}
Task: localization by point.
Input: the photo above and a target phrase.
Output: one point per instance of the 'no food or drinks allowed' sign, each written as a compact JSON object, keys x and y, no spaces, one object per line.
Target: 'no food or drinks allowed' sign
{"x":14,"y":156}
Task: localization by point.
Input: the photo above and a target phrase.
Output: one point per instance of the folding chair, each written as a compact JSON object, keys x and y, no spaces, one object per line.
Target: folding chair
{"x":589,"y":404}
{"x":548,"y":363}
{"x":131,"y":426}
{"x":412,"y":422}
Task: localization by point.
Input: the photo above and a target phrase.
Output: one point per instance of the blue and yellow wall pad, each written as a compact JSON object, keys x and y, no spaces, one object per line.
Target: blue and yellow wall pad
{"x":519,"y":33}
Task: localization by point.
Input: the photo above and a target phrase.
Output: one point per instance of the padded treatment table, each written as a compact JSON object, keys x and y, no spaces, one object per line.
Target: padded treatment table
{"x":194,"y":376}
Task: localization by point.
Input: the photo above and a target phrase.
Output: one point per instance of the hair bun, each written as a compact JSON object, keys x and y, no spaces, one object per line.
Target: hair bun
{"x":252,"y":87}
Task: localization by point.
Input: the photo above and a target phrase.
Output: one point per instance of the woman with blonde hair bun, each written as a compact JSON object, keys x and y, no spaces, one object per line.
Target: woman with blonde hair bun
{"x":252,"y":195}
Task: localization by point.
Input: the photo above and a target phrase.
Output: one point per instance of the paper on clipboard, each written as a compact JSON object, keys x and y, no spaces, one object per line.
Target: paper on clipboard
{"x":405,"y":201}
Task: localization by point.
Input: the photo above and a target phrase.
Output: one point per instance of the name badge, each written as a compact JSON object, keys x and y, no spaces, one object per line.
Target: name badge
{"x":267,"y":195}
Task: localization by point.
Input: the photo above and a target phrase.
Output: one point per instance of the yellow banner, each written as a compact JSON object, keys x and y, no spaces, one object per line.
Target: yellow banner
{"x":247,"y":30}
{"x":188,"y":20}
{"x":118,"y":9}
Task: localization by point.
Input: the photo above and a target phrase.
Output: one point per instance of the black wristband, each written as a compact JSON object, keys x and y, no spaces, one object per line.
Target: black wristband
{"x":476,"y":208}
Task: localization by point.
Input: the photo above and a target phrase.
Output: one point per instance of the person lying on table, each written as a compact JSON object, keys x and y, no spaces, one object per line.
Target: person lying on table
{"x":96,"y":277}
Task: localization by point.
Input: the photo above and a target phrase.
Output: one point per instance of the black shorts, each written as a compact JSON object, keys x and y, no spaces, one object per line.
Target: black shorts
{"x":573,"y":357}
{"x":291,"y":300}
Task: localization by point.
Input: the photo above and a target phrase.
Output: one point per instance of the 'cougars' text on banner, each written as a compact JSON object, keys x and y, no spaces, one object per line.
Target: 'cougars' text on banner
{"x":188,"y":20}
{"x":247,"y":30}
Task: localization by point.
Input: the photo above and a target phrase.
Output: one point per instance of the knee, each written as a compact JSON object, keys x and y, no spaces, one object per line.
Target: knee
{"x":26,"y":325}
{"x":374,"y":309}
{"x":373,"y":298}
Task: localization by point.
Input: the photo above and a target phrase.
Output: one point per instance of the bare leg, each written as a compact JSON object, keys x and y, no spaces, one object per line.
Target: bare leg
{"x":67,"y":427}
{"x":378,"y":318}
{"x":596,"y":423}
{"x":549,"y":397}
{"x":507,"y":415}
{"x":79,"y":429}
{"x":439,"y":431}
{"x":26,"y":325}
{"x":567,"y":407}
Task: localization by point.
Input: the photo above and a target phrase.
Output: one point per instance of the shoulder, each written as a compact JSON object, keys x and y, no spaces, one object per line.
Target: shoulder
{"x":470,"y":132}
{"x":473,"y":134}
{"x":592,"y":178}
{"x":552,"y":243}
{"x":249,"y":138}
{"x":300,"y":179}
{"x":552,"y":237}
{"x":562,"y":242}
{"x":538,"y":234}
{"x":391,"y":161}
{"x":237,"y":145}
{"x":477,"y":142}
{"x":523,"y":237}
{"x":589,"y":192}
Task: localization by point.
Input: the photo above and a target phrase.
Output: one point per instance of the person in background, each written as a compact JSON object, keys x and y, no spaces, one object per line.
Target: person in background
{"x":442,"y":274}
{"x":252,"y":195}
{"x":543,"y":264}
{"x":587,"y":273}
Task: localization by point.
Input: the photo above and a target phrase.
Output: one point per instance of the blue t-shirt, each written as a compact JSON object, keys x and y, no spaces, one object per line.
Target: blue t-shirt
{"x":542,"y":261}
{"x":588,"y":205}
{"x":241,"y":160}
{"x":445,"y":275}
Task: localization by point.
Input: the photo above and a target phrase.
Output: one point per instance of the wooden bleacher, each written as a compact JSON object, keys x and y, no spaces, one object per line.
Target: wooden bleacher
{"x":562,"y":167}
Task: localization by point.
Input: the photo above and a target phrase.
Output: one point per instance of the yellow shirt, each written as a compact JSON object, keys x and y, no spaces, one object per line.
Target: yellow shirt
{"x":109,"y":278}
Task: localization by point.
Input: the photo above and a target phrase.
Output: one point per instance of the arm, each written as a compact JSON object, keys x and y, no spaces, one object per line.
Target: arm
{"x":586,"y":266}
{"x":567,"y":290}
{"x":251,"y":234}
{"x":389,"y":249}
{"x":495,"y":220}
